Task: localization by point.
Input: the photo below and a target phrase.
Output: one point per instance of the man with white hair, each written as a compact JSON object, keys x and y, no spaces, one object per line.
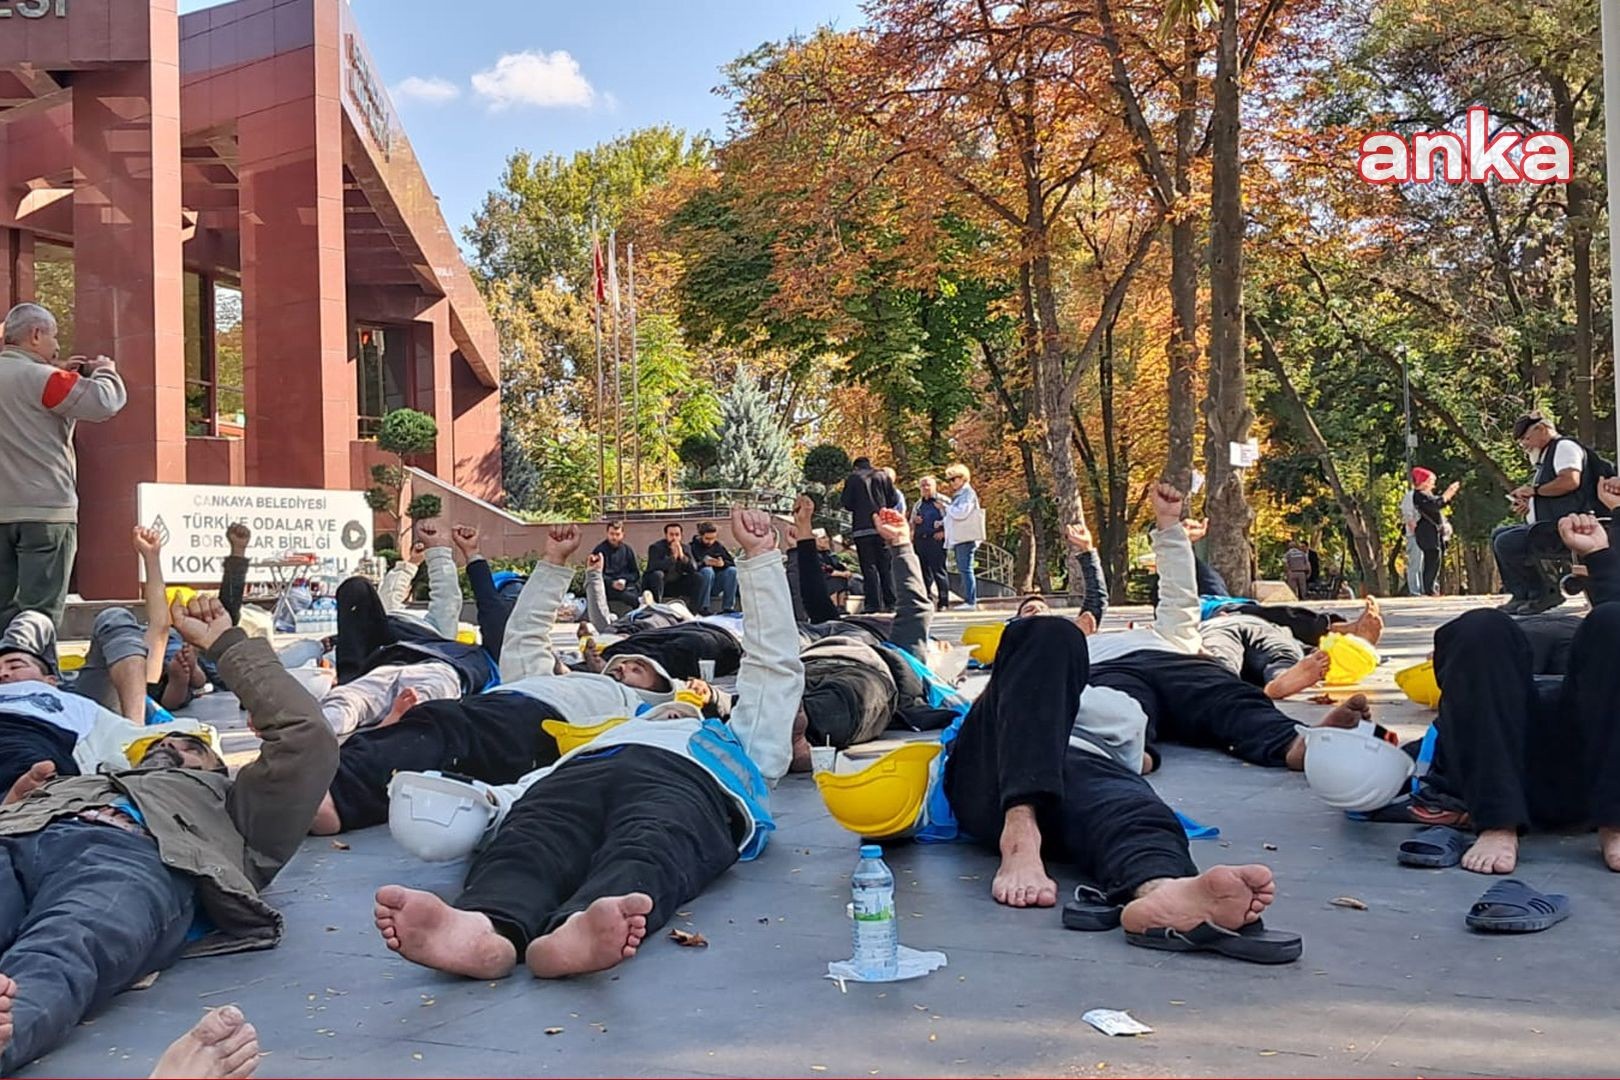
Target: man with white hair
{"x":42,"y":397}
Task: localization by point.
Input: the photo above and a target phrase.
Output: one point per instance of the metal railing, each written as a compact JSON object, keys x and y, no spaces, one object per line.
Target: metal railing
{"x":994,"y":563}
{"x":705,"y":502}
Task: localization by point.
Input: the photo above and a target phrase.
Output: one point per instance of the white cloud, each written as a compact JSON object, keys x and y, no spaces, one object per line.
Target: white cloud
{"x":432,"y":90}
{"x":541,"y":79}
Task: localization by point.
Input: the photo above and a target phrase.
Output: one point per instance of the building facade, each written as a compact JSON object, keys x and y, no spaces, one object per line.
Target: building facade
{"x":226,"y":204}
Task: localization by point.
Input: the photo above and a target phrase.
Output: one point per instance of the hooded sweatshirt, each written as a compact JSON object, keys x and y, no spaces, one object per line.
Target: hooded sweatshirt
{"x":39,"y":406}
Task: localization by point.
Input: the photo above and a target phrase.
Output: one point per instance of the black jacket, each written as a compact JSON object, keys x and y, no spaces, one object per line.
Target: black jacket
{"x":932,"y":512}
{"x":619,"y":563}
{"x":716,"y":550}
{"x":659,"y":560}
{"x":867,"y":491}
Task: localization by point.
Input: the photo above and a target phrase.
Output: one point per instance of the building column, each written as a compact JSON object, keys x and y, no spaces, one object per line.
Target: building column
{"x":300,"y":386}
{"x":432,"y":394}
{"x":477,"y":434}
{"x":127,"y":292}
{"x":16,"y":267}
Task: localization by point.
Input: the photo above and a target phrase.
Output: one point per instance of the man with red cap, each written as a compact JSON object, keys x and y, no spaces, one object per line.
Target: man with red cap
{"x":1431,"y":523}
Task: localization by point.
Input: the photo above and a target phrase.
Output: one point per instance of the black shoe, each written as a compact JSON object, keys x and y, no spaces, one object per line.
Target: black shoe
{"x":1513,"y":607}
{"x":1543,"y":603}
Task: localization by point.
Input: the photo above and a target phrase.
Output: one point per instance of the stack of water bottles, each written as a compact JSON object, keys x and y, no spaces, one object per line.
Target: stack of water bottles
{"x":878,"y":955}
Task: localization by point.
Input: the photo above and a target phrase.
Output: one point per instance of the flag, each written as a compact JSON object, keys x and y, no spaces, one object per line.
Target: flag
{"x":596,"y":268}
{"x":613,"y":268}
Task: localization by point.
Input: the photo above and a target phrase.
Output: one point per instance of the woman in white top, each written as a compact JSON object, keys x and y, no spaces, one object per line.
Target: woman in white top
{"x":964,"y":529}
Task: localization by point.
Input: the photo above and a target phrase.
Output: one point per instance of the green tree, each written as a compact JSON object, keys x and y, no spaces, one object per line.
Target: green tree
{"x":404,"y":433}
{"x":754,"y":449}
{"x":519,"y":477}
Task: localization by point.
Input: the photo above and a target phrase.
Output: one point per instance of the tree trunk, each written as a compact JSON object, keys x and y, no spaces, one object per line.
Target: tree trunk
{"x":1184,"y":281}
{"x":1578,"y":210}
{"x":1017,"y":417}
{"x":1227,"y":414}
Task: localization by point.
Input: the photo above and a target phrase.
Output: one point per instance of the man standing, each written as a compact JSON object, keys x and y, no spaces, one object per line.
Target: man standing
{"x":1553,"y":492}
{"x":1297,"y":568}
{"x":866,"y":491}
{"x":710,"y":553}
{"x":672,"y":570}
{"x":41,"y":398}
{"x":928,"y":538}
{"x":621,"y":574}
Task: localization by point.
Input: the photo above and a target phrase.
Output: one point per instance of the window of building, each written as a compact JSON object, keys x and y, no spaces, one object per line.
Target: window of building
{"x":53,"y":287}
{"x":214,"y":400}
{"x":380,"y":354}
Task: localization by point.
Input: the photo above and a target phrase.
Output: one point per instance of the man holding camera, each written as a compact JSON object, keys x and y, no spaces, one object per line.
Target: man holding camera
{"x":42,"y":397}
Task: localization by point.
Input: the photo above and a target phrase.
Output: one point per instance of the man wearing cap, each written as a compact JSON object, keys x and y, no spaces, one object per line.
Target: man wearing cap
{"x":117,"y":874}
{"x":1554,"y":492}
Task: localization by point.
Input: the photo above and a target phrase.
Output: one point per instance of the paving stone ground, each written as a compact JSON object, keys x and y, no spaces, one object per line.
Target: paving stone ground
{"x":1399,"y":989}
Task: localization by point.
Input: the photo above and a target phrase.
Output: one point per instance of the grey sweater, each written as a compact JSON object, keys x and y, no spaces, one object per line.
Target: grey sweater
{"x":39,"y":406}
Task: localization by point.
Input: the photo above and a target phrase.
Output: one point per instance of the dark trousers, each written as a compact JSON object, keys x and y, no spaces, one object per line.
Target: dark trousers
{"x":36,"y":561}
{"x":1519,"y":550}
{"x":85,"y":910}
{"x":1521,"y":748}
{"x":1014,"y":750}
{"x":622,"y":600}
{"x":1305,"y":625}
{"x":628,"y":819}
{"x":493,"y":608}
{"x":691,"y":587}
{"x":877,"y":575}
{"x":1194,"y":701}
{"x":1254,"y":650}
{"x":936,"y":575}
{"x":364,"y":627}
{"x":1428,"y":542}
{"x":25,"y":741}
{"x":494,"y":737}
{"x":680,"y":648}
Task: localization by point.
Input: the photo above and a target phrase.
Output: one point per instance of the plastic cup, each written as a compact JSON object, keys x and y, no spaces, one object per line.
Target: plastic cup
{"x":706,"y":669}
{"x":823,"y":758}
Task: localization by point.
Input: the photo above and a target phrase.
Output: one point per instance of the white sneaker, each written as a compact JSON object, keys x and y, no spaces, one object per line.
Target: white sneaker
{"x":646,"y":598}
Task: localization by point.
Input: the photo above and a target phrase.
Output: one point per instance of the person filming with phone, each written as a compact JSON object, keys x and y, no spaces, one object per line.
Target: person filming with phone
{"x":42,"y":397}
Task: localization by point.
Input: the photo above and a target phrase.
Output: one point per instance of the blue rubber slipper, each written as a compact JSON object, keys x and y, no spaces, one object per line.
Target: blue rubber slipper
{"x":1512,"y":907}
{"x":1435,"y":847}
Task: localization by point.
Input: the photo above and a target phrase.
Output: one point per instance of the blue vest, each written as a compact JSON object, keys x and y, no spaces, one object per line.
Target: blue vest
{"x":717,"y":749}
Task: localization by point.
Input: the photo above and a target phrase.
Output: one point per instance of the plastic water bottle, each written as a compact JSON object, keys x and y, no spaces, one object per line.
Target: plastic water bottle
{"x":877,"y":939}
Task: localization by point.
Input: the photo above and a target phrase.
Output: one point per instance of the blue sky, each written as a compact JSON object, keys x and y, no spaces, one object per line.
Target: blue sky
{"x":575,"y":74}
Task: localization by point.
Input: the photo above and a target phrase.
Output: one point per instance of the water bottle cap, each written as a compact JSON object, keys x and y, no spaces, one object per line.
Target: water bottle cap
{"x":871,"y":851}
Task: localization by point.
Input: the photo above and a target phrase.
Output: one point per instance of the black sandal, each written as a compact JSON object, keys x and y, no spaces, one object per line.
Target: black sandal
{"x":1254,"y":943}
{"x":1090,"y":910}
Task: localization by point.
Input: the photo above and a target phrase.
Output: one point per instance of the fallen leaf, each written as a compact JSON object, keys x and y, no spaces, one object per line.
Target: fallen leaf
{"x":145,"y":982}
{"x":340,"y":845}
{"x":689,"y":940}
{"x":554,"y":1031}
{"x":1268,"y":1053}
{"x":1322,"y":699}
{"x":1269,"y":847}
{"x":764,"y":920}
{"x":1349,"y":902}
{"x":330,"y":929}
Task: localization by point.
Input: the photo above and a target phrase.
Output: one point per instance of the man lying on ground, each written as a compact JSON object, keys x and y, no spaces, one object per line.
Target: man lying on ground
{"x":182,"y":847}
{"x":1526,"y":735}
{"x":497,"y":737}
{"x":597,"y":851}
{"x":1094,"y":598}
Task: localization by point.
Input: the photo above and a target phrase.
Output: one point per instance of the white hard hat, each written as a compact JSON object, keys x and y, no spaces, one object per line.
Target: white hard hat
{"x":1354,"y":769}
{"x":436,"y":818}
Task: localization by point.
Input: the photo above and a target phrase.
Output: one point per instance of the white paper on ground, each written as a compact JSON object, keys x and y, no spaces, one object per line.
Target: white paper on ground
{"x":1115,"y":1022}
{"x":913,"y":964}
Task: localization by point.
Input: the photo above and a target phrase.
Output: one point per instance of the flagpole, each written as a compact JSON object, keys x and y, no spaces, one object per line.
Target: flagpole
{"x":618,"y":380}
{"x":635,"y":363}
{"x":596,"y":304}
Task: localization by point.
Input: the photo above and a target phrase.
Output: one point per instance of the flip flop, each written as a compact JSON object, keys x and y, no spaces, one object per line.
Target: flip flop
{"x":1090,"y":910}
{"x":1435,"y":847}
{"x":1512,"y":907}
{"x":1254,"y":943}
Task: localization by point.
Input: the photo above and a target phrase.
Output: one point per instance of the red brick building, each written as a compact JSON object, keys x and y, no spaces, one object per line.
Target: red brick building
{"x":225,"y":204}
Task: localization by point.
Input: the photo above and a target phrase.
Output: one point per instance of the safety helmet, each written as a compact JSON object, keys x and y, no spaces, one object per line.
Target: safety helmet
{"x":436,"y":818}
{"x":1353,"y":769}
{"x":885,"y":799}
{"x":573,"y":736}
{"x":1418,"y":682}
{"x":985,"y":638}
{"x":136,"y":748}
{"x":1351,"y":659}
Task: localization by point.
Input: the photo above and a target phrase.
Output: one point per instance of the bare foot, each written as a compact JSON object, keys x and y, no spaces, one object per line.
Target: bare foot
{"x":1310,"y":670}
{"x":327,"y":822}
{"x":425,"y":930}
{"x":1495,"y":851}
{"x":1347,"y":714}
{"x":602,"y":936}
{"x":1609,"y":844}
{"x":591,"y":660}
{"x":584,"y":630}
{"x":177,"y":688}
{"x":801,"y":761}
{"x":1021,"y":881}
{"x":38,"y":775}
{"x":1228,"y":896}
{"x":8,"y":996}
{"x":1369,"y":626}
{"x":222,"y":1044}
{"x":406,"y":700}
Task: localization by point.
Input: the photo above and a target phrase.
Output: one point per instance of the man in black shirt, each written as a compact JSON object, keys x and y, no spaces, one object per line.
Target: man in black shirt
{"x":710,"y":553}
{"x":866,"y":491}
{"x":620,"y":571}
{"x":671,"y":571}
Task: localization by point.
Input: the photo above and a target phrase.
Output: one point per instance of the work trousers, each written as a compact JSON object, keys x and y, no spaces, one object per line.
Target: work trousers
{"x":364,"y":627}
{"x":936,"y":575}
{"x":1521,"y":747}
{"x":1014,"y":750}
{"x":1519,"y":550}
{"x":1194,"y":701}
{"x":36,"y":560}
{"x":85,"y":910}
{"x":1251,"y":648}
{"x":876,"y":574}
{"x":693,"y":586}
{"x":623,"y":820}
{"x":364,"y":701}
{"x":494,"y":737}
{"x":680,"y":649}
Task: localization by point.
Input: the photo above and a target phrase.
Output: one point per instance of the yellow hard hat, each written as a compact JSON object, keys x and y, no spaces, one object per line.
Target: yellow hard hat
{"x":571,"y":736}
{"x":985,"y":639}
{"x":136,"y":749}
{"x":1352,"y":659}
{"x":886,"y":798}
{"x":467,"y":636}
{"x":1419,"y":684}
{"x":183,"y":593}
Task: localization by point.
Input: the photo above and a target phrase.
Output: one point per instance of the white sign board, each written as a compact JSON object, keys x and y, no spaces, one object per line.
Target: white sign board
{"x":1242,"y":455}
{"x":334,"y":526}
